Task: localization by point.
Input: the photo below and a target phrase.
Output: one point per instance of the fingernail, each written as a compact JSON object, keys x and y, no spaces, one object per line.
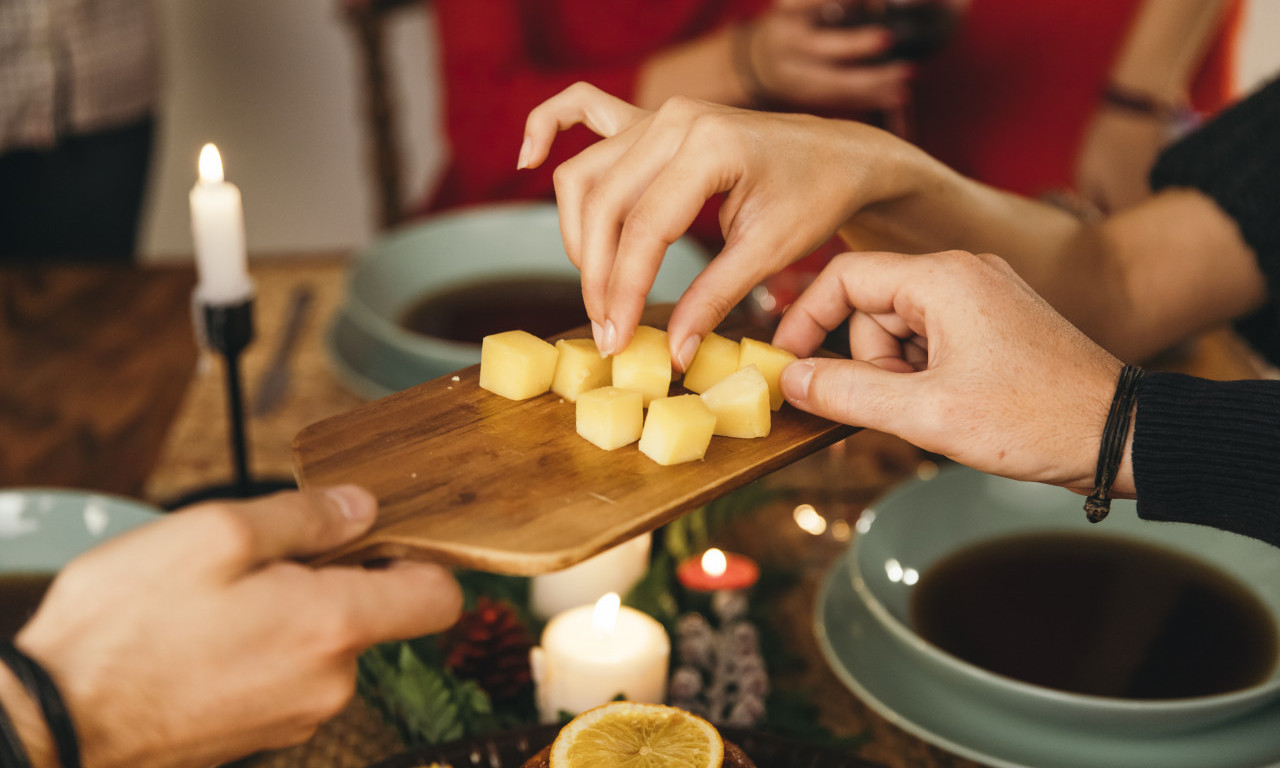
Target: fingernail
{"x":610,"y":338}
{"x":525,"y":148}
{"x":796,"y":379}
{"x":356,"y":503}
{"x":597,"y":333}
{"x":687,"y":350}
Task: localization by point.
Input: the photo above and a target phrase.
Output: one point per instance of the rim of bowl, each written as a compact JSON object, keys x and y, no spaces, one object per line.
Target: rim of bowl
{"x":980,"y":674}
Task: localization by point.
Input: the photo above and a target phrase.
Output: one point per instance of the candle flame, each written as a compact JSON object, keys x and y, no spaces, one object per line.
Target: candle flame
{"x":605,"y":617}
{"x":714,"y":562}
{"x":210,"y":164}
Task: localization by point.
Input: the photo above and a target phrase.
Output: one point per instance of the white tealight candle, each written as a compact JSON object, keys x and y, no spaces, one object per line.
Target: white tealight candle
{"x":217,"y":227}
{"x":591,"y":654}
{"x":614,"y":570}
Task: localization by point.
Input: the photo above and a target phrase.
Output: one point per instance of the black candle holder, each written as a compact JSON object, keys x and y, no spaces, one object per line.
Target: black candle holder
{"x":228,"y":329}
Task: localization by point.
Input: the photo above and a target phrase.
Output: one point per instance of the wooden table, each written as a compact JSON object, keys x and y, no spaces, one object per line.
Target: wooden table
{"x":101,"y":387}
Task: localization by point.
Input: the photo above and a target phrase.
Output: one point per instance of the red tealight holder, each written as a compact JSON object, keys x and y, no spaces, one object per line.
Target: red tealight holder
{"x":714,"y":571}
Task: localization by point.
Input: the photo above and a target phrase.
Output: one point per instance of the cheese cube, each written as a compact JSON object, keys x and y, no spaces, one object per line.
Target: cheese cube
{"x":516,"y":364}
{"x":740,"y":402}
{"x":645,"y":365}
{"x":770,"y":360}
{"x":716,"y":358}
{"x":677,"y":429}
{"x":610,"y":417}
{"x":580,"y":368}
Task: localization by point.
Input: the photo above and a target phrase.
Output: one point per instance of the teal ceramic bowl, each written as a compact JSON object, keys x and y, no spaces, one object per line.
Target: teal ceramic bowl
{"x":43,"y":529}
{"x":907,"y":532}
{"x":374,"y":355}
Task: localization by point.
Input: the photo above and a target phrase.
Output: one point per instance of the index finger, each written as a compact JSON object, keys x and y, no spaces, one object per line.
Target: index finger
{"x":404,"y":600}
{"x":581,"y":103}
{"x":874,"y":283}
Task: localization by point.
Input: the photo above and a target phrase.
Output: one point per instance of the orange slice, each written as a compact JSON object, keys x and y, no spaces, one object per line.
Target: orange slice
{"x":631,"y":735}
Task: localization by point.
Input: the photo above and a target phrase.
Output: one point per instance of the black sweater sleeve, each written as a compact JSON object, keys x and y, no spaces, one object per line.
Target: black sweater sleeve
{"x":1208,"y":452}
{"x":1235,"y":159}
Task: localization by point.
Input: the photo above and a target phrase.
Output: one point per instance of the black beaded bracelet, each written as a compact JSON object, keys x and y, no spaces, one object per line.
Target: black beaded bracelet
{"x":12,"y":753}
{"x":1114,"y":435}
{"x":45,"y":692}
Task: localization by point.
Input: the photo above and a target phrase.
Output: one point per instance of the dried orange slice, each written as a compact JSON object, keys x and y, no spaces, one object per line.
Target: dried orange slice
{"x":631,"y":735}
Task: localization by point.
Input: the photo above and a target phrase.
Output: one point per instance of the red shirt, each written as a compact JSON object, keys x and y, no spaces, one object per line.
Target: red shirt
{"x":1006,"y":103}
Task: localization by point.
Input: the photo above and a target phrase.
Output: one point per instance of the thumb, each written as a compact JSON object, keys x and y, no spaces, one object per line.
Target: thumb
{"x":851,"y":392}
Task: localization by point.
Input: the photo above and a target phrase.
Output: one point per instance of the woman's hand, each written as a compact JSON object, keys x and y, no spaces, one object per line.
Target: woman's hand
{"x":789,"y":182}
{"x":797,"y":62}
{"x":199,"y":638}
{"x":956,"y":354}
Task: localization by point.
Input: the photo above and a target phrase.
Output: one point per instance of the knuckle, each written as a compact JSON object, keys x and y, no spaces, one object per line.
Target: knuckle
{"x":225,"y":531}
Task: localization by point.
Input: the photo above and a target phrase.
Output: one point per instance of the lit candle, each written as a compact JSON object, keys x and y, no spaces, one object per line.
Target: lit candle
{"x":716,"y":571}
{"x":591,"y":654}
{"x":614,"y":570}
{"x":217,"y":227}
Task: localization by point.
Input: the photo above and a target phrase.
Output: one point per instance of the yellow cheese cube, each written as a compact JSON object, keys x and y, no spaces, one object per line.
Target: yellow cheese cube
{"x":645,"y":365}
{"x":580,"y":368}
{"x":770,"y":360}
{"x":516,"y":364}
{"x":740,"y":402}
{"x":610,"y":417}
{"x":677,"y":429}
{"x":716,"y":358}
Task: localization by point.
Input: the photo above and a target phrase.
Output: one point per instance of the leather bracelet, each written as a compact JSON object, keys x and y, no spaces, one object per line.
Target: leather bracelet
{"x":45,"y":692}
{"x":12,"y":752}
{"x":1114,"y":436}
{"x":1178,"y":116}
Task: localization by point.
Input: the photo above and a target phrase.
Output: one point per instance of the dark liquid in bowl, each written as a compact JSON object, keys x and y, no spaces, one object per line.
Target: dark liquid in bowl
{"x":543,"y":306}
{"x":20,"y":593}
{"x":1096,"y":615}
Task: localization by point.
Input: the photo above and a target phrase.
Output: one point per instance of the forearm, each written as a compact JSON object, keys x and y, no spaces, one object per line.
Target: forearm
{"x":1136,"y":283}
{"x":702,"y":68}
{"x":25,"y":715}
{"x":1167,"y":41}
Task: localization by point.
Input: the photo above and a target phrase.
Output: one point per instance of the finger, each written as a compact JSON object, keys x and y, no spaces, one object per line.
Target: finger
{"x":630,"y":217}
{"x":849,"y":44}
{"x":580,"y":103}
{"x":867,"y":282}
{"x":857,"y":393}
{"x":879,"y":340}
{"x":406,"y":599}
{"x":284,"y":525}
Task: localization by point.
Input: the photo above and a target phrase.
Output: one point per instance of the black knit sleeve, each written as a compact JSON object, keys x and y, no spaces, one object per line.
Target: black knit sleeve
{"x":1235,"y":159}
{"x":1208,"y":452}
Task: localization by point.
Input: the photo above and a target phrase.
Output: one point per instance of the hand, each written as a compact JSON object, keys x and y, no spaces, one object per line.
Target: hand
{"x":198,"y":639}
{"x":789,"y":181}
{"x":956,"y":354}
{"x":795,"y":61}
{"x":1118,"y":151}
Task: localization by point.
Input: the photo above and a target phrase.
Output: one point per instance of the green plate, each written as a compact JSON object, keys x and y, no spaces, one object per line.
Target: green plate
{"x":880,"y":671}
{"x":42,"y":529}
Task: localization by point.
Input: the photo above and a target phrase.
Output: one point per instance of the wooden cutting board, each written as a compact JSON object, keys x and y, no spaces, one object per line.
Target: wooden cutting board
{"x":469,"y":478}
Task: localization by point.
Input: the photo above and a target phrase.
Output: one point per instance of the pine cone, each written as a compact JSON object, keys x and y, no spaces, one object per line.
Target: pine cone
{"x":490,"y":645}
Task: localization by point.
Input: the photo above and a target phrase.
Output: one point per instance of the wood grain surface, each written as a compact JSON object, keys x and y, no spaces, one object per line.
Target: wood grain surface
{"x":93,"y":363}
{"x":470,"y":478}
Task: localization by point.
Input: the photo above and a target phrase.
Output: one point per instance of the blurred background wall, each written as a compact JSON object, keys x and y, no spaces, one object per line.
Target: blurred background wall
{"x":276,"y":85}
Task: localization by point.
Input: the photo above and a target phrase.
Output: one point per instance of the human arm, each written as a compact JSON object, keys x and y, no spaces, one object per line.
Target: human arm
{"x":500,"y":58}
{"x":200,"y":638}
{"x":1167,"y":41}
{"x":956,"y":354}
{"x":1135,"y":282}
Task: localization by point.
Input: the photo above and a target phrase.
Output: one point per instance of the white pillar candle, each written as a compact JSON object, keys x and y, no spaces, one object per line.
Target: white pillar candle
{"x":592,"y":653}
{"x":217,"y":228}
{"x":614,"y":570}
